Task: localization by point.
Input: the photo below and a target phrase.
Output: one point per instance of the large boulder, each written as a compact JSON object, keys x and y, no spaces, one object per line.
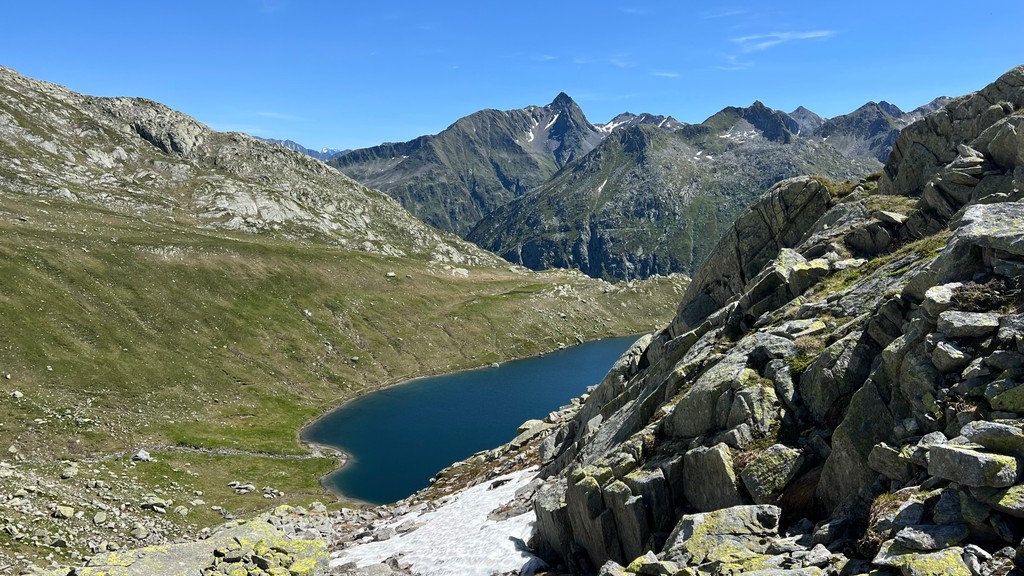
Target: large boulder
{"x":970,"y":467}
{"x":768,"y":474}
{"x":709,"y":479}
{"x":722,"y":534}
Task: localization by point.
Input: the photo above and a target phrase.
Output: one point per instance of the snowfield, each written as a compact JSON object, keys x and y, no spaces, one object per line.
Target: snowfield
{"x":457,"y":538}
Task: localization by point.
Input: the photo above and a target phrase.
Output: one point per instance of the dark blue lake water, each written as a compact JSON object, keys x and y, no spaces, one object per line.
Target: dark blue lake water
{"x":398,"y":438}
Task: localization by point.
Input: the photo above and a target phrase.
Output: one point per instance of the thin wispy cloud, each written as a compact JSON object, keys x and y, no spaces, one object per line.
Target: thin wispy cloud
{"x":545,"y":58}
{"x":581,"y":60}
{"x":664,"y":74}
{"x":280,"y":116}
{"x":733,"y":64}
{"x":634,"y":11}
{"x":621,"y":61}
{"x":759,"y":42}
{"x":722,"y":14}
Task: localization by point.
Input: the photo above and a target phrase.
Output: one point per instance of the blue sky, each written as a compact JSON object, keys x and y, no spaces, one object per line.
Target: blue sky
{"x":355,"y":74}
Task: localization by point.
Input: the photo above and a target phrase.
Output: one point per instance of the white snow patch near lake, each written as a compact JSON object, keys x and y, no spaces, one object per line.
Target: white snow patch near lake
{"x":601,"y":187}
{"x":457,"y":538}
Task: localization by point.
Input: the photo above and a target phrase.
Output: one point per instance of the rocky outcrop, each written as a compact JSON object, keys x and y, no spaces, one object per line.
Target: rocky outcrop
{"x":269,"y":545}
{"x":139,"y":157}
{"x":778,"y":220}
{"x":841,"y":389}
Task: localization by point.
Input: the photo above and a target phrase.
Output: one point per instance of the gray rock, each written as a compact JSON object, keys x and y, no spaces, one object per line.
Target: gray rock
{"x":827,"y":379}
{"x":957,"y":324}
{"x":886,"y":460}
{"x":593,"y":524}
{"x":1002,"y":360}
{"x":630,"y":518}
{"x":770,"y":472}
{"x":554,"y":533}
{"x":870,"y":240}
{"x":971,"y":467}
{"x":778,"y":220}
{"x":938,"y":299}
{"x":695,"y":412}
{"x":846,"y":472}
{"x":711,"y":536}
{"x":930,"y":537}
{"x":653,"y":489}
{"x":948,"y":357}
{"x":1009,"y":501}
{"x":1005,"y":144}
{"x":946,"y":562}
{"x":709,"y":480}
{"x":996,"y":436}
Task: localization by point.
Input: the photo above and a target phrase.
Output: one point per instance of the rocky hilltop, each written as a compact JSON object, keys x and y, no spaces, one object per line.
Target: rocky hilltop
{"x":649,"y":201}
{"x":478,"y":163}
{"x":840,"y":390}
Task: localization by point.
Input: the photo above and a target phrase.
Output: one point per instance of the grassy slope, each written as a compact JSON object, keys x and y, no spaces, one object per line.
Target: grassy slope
{"x":124,"y":333}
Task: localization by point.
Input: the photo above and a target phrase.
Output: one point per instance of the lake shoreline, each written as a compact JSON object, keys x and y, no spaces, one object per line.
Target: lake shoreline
{"x":345,"y":458}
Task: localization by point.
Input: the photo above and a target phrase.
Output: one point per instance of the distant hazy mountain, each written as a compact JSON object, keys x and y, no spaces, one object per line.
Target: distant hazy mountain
{"x":869,"y":132}
{"x":453,"y":178}
{"x":807,"y":121}
{"x":322,"y":154}
{"x":647,"y":201}
{"x":628,"y":120}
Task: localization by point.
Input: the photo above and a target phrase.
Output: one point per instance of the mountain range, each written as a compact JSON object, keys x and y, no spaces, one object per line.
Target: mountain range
{"x":321,"y":154}
{"x":525,"y":183}
{"x":649,"y":201}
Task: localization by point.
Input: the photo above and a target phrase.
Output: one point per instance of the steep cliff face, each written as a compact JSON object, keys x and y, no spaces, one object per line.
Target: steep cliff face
{"x":840,"y":390}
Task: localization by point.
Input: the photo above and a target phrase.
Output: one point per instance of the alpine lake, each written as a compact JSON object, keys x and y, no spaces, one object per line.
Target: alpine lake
{"x":397,"y":438}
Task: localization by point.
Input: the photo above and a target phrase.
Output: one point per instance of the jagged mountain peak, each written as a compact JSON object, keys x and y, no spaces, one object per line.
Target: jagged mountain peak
{"x":807,"y":120}
{"x":451,"y":179}
{"x":563,"y":101}
{"x":773,"y":124}
{"x":628,"y":119}
{"x":890,"y":109}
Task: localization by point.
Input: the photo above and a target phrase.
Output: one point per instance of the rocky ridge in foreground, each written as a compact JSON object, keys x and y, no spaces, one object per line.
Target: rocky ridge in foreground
{"x":840,"y":391}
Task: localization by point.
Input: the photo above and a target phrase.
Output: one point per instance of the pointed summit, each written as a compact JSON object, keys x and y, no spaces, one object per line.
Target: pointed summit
{"x":807,"y":120}
{"x":562,"y":102}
